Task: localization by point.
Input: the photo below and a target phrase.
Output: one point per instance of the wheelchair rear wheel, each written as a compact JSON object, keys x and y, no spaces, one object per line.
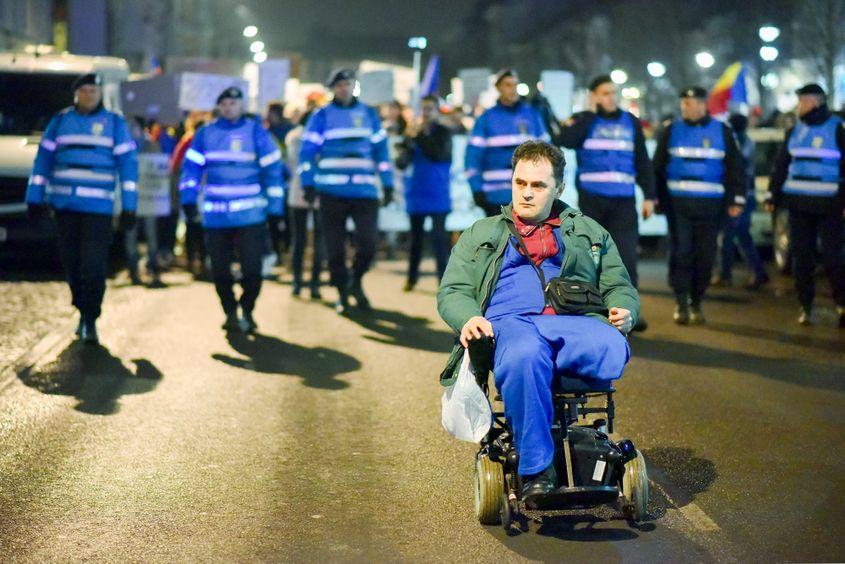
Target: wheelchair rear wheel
{"x":635,"y":489}
{"x":489,"y":489}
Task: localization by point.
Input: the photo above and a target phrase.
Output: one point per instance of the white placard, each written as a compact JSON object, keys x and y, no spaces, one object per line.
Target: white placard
{"x":153,"y":185}
{"x":557,"y":89}
{"x":475,"y":82}
{"x":376,"y":87}
{"x":272,"y":76}
{"x":199,"y":91}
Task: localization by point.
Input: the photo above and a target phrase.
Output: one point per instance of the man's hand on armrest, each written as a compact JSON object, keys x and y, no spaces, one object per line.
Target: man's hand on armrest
{"x":621,"y":319}
{"x":475,"y":328}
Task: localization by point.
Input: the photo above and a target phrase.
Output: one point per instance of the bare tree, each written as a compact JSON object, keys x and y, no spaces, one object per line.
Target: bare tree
{"x":820,"y":35}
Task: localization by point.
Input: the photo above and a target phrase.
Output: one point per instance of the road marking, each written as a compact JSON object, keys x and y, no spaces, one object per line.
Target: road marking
{"x":46,"y":350}
{"x":692,"y":512}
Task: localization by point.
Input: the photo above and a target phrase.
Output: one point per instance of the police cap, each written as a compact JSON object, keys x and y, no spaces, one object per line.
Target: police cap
{"x":504,"y":73}
{"x":340,"y":74}
{"x":85,"y":79}
{"x":693,"y":92}
{"x":232,"y":92}
{"x":811,"y":88}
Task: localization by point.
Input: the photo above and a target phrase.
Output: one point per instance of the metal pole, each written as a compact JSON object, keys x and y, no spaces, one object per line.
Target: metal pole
{"x":415,"y":97}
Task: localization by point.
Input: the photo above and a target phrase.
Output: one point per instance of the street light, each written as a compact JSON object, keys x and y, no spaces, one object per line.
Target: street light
{"x":768,"y":53}
{"x":704,"y":59}
{"x":770,"y":80}
{"x":260,"y":57}
{"x":522,"y":89}
{"x":417,"y":44}
{"x":618,"y":76}
{"x":769,"y":33}
{"x":632,"y":93}
{"x":656,"y":69}
{"x":256,"y":46}
{"x":250,"y":31}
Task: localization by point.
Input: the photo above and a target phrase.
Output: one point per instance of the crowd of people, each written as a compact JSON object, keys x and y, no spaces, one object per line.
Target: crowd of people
{"x":248,"y":189}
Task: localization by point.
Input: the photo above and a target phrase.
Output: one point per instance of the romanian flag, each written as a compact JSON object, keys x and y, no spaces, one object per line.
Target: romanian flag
{"x":730,"y":91}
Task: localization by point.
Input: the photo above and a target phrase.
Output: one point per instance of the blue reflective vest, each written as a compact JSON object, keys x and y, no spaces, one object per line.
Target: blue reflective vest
{"x":606,"y":164}
{"x":238,"y":168}
{"x":696,"y":160}
{"x":343,"y":149}
{"x":428,"y":186}
{"x":79,"y":160}
{"x":496,"y":134}
{"x":814,"y":170}
{"x":519,"y":290}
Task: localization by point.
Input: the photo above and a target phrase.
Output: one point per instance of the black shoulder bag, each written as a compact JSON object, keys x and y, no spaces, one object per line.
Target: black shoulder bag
{"x":567,"y":297}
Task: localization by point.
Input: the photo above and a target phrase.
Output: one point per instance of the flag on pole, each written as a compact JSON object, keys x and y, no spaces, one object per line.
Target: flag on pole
{"x":429,"y":85}
{"x":730,"y":92}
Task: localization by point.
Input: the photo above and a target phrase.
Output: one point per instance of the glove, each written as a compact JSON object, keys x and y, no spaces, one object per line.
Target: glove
{"x":192,"y":214}
{"x":276,"y":223}
{"x":309,"y":194}
{"x":480,"y":199}
{"x":35,"y":212}
{"x":127,"y":221}
{"x":388,"y":195}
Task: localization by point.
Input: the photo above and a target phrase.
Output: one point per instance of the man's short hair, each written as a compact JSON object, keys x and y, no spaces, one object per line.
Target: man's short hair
{"x":598,"y":81}
{"x":535,"y":151}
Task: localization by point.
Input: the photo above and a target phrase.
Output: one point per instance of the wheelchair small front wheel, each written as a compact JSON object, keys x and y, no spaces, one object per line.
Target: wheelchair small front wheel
{"x":635,"y":489}
{"x":489,"y":489}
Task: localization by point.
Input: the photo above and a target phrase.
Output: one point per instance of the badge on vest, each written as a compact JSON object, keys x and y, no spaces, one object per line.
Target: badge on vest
{"x":818,"y":141}
{"x":523,"y":127}
{"x":706,"y":142}
{"x":235,"y":145}
{"x":358,"y":120}
{"x":97,"y":128}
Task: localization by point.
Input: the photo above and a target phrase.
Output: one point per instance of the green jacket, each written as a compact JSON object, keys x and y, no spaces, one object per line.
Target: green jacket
{"x":590,"y":255}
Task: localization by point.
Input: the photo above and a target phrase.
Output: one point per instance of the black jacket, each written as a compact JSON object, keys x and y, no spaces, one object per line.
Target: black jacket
{"x":734,"y":178}
{"x":574,"y":132}
{"x":780,"y":172}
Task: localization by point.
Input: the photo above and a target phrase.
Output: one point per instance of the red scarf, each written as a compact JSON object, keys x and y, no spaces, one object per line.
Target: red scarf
{"x":540,"y":241}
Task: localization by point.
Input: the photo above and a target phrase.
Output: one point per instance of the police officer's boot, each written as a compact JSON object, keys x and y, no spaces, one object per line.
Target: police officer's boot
{"x":232,"y":323}
{"x":134,"y":276}
{"x":88,"y":333}
{"x":682,"y":313}
{"x":357,"y":292}
{"x":315,"y":291}
{"x":342,"y":304}
{"x":248,"y":324}
{"x":806,"y":316}
{"x":696,"y":317}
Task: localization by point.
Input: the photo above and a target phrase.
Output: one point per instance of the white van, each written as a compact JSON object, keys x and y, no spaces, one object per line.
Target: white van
{"x":32,"y":89}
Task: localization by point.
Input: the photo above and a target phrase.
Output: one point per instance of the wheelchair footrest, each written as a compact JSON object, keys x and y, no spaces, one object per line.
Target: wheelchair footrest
{"x":578,"y":497}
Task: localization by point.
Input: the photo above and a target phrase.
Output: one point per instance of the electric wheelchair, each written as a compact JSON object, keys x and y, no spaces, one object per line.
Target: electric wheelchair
{"x":592,"y":469}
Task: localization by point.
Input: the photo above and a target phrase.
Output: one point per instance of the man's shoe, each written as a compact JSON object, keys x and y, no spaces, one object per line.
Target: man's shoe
{"x":409,"y":286}
{"x":79,"y":328}
{"x":696,"y":317}
{"x":681,"y":315}
{"x":805,"y":318}
{"x":342,"y":304}
{"x":720,"y":282}
{"x":232,"y":323}
{"x":315,"y":293}
{"x":757,"y":282}
{"x":538,"y":486}
{"x":135,"y":279}
{"x":641,"y":325}
{"x":248,"y":324}
{"x":296,"y":289}
{"x":157,"y":283}
{"x":361,"y":299}
{"x":89,"y":332}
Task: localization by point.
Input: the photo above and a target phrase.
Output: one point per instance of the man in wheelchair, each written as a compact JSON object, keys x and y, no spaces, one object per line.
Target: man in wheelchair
{"x":547,"y":284}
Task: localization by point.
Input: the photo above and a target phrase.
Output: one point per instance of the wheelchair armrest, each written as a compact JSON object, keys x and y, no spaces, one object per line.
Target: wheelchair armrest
{"x":481,"y":356}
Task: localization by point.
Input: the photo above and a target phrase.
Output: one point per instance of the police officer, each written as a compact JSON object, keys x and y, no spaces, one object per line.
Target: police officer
{"x":343,"y":147}
{"x":612,"y":158}
{"x":497,"y":132}
{"x":83,"y":151}
{"x":243,"y":190}
{"x":808,"y":179}
{"x":698,"y":173}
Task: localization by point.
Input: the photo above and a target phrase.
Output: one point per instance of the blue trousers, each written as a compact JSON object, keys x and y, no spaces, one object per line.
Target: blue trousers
{"x":737,"y":231}
{"x":530,"y":350}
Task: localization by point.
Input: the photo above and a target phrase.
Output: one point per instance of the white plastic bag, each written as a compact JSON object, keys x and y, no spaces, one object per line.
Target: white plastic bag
{"x":465,"y":408}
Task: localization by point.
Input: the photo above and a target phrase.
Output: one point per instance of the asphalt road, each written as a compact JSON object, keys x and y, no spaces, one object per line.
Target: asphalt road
{"x":319,"y":439}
